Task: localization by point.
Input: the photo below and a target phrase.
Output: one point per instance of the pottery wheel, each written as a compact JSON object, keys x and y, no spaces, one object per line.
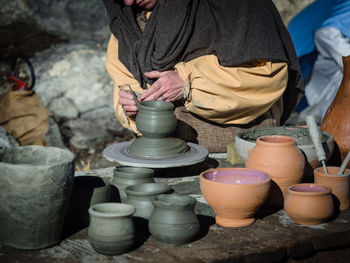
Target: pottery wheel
{"x":119,"y":152}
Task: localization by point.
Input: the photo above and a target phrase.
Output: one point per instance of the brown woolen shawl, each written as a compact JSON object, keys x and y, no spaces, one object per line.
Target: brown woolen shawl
{"x":236,"y":31}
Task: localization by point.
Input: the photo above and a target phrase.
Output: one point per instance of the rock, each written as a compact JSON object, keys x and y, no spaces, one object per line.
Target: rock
{"x":72,"y":79}
{"x":6,"y":140}
{"x":53,"y":136}
{"x":74,"y":19}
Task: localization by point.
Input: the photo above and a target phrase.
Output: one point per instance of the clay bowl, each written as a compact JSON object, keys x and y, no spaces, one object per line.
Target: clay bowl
{"x":309,"y":204}
{"x":245,"y":141}
{"x":235,"y":194}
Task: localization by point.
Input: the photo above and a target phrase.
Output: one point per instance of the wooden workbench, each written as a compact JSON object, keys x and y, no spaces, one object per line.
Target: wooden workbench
{"x":272,"y":238}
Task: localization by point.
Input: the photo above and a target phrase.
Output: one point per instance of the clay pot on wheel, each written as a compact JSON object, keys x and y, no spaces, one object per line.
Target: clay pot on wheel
{"x":125,"y":176}
{"x":339,"y":184}
{"x":156,"y":121}
{"x":279,"y":157}
{"x":111,"y":230}
{"x":235,"y":194}
{"x":309,"y":204}
{"x":173,"y":220}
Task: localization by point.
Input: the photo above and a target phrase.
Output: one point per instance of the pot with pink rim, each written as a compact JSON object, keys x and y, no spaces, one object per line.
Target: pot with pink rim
{"x":235,"y":194}
{"x":309,"y":204}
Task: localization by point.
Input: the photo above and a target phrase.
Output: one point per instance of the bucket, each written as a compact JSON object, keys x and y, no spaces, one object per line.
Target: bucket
{"x":36,"y":184}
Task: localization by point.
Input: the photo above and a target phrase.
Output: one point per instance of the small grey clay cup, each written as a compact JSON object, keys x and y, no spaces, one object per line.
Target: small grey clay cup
{"x":140,"y":196}
{"x":125,"y":175}
{"x":111,"y":230}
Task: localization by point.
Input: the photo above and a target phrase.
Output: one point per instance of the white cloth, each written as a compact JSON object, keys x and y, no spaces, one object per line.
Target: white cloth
{"x":327,"y":72}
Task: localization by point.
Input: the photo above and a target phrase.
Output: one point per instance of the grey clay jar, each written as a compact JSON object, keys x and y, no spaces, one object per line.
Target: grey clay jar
{"x":157,"y":122}
{"x":124,"y":176}
{"x":36,"y":184}
{"x":111,"y":230}
{"x":173,"y":220}
{"x":140,"y":196}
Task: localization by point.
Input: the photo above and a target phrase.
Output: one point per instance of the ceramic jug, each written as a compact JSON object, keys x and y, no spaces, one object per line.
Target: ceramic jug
{"x":279,"y":157}
{"x":140,"y":196}
{"x":173,"y":220}
{"x":111,"y":230}
{"x":124,"y":176}
{"x":337,"y":118}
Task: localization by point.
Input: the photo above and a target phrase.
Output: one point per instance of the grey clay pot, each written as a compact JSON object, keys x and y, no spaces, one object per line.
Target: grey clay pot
{"x":124,"y":176}
{"x":36,"y":184}
{"x":111,"y":230}
{"x":173,"y":220}
{"x":140,"y":196}
{"x":157,"y":122}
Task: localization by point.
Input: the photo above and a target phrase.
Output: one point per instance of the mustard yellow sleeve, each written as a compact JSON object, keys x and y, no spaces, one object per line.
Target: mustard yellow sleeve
{"x":120,"y":76}
{"x":231,"y":95}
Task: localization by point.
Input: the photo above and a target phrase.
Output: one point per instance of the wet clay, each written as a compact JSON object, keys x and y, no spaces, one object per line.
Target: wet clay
{"x":301,"y":135}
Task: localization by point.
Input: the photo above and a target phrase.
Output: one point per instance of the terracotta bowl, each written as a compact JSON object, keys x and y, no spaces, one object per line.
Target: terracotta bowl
{"x":245,"y":141}
{"x":309,"y":204}
{"x":235,"y":194}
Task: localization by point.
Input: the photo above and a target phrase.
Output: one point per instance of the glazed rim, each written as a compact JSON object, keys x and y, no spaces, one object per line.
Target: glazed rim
{"x":276,"y":140}
{"x":316,"y":189}
{"x":112,"y":210}
{"x":156,"y":105}
{"x":129,"y":171}
{"x":331,"y":175}
{"x":147,"y":189}
{"x":244,"y":170}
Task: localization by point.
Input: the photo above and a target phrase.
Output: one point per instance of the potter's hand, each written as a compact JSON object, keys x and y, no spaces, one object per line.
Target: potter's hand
{"x":169,"y":86}
{"x":126,"y":100}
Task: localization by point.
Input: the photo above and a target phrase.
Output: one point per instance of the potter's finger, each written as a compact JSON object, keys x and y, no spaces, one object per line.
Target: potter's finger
{"x":123,"y":101}
{"x":130,"y":108}
{"x":125,"y":94}
{"x":154,"y":74}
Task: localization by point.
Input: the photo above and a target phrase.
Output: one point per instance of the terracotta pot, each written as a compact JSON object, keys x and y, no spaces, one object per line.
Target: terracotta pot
{"x":111,"y":230}
{"x":245,"y":141}
{"x":339,"y":184}
{"x":279,"y":157}
{"x":235,"y":194}
{"x":140,"y":196}
{"x":309,"y":204}
{"x":173,"y":220}
{"x":337,"y":118}
{"x":124,"y":176}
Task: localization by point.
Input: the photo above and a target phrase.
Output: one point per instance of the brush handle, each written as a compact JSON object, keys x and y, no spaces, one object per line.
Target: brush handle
{"x":315,"y":136}
{"x":344,"y":164}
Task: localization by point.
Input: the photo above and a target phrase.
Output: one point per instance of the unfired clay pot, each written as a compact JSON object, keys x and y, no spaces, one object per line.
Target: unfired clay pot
{"x":124,"y":176}
{"x":235,"y":194}
{"x":173,"y":220}
{"x":140,"y":196}
{"x":111,"y":230}
{"x":339,"y":184}
{"x":35,"y":189}
{"x":157,"y":122}
{"x":309,"y":204}
{"x":279,"y":157}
